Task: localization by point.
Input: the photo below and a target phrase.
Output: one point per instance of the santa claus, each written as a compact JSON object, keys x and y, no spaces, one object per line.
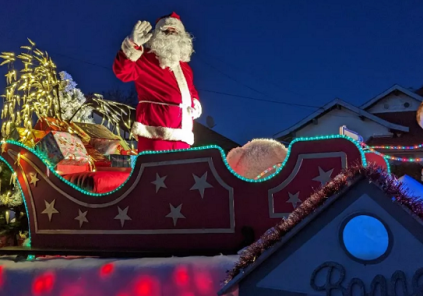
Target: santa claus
{"x":158,"y":64}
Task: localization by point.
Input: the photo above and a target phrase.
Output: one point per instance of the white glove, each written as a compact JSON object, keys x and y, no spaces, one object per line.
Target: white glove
{"x":197,"y":110}
{"x":141,"y":33}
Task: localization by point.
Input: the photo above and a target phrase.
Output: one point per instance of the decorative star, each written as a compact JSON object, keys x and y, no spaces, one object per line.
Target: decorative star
{"x":50,"y":210}
{"x":3,"y":148}
{"x":175,"y":213}
{"x":123,"y":215}
{"x":293,"y":198}
{"x":34,"y":179}
{"x":201,"y":184}
{"x":323,"y":176}
{"x":159,"y":182}
{"x":81,"y":217}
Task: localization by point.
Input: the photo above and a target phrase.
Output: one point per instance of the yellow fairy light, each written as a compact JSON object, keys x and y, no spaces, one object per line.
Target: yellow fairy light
{"x":34,"y":85}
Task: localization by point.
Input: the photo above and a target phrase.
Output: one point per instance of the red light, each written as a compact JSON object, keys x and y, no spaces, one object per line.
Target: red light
{"x":106,"y":269}
{"x":181,"y":276}
{"x":48,"y":281}
{"x":1,"y":276}
{"x":38,"y":286}
{"x":144,"y":288}
{"x":147,"y":286}
{"x":43,"y":283}
{"x":203,"y":282}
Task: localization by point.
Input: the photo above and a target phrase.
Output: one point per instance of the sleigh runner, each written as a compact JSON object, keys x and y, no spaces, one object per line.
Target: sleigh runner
{"x":173,"y":201}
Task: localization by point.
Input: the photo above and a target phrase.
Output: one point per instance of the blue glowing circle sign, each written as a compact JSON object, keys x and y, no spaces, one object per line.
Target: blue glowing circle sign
{"x":365,"y":238}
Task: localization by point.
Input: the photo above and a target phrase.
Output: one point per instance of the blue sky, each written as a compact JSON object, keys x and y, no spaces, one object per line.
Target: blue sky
{"x":294,"y":52}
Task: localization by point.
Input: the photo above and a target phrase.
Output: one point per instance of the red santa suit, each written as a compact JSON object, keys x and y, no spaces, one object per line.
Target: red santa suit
{"x":164,"y":115}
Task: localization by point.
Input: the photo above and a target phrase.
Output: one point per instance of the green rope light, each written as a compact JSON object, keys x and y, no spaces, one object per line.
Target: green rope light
{"x":45,"y":160}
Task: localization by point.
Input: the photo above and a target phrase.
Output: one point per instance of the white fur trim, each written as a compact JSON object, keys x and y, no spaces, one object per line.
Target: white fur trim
{"x":129,"y":50}
{"x":170,"y":22}
{"x":197,"y":110}
{"x":186,"y":98}
{"x":164,"y":133}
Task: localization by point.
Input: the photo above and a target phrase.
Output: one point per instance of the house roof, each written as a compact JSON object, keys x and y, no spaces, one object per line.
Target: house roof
{"x":413,"y":137}
{"x":275,"y":237}
{"x":395,"y":87}
{"x":330,"y":106}
{"x":205,"y":136}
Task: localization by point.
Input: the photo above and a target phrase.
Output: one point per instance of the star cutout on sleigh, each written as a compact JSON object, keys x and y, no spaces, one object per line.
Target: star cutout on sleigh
{"x":323,"y":176}
{"x":3,"y":148}
{"x":175,"y":213}
{"x":50,"y":210}
{"x":293,"y":198}
{"x":159,"y":182}
{"x":123,"y":216}
{"x":82,"y":217}
{"x":33,"y":179}
{"x":201,"y":184}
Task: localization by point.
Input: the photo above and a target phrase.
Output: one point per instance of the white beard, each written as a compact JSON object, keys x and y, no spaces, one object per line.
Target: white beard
{"x":171,"y":49}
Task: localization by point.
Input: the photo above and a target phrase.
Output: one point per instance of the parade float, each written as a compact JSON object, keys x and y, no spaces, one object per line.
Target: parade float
{"x":187,"y":203}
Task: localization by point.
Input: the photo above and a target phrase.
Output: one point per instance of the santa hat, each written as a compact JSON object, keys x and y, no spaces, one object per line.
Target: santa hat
{"x":172,"y":20}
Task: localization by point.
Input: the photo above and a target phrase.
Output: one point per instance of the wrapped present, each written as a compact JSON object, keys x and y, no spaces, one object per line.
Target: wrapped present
{"x":96,"y":131}
{"x":120,"y":161}
{"x":72,"y":166}
{"x":30,"y":138}
{"x":80,"y":132}
{"x":102,"y":138}
{"x":27,"y":137}
{"x":61,"y":147}
{"x":47,"y":124}
{"x":37,"y":135}
{"x":51,"y":124}
{"x":99,"y":159}
{"x":129,"y":152}
{"x":106,"y":146}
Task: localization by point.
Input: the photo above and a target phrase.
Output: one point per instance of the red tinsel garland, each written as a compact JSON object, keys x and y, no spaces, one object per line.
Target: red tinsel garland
{"x":387,"y":182}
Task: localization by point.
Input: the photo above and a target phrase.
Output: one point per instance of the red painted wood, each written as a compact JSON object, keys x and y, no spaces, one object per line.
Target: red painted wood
{"x":213,"y":221}
{"x":373,"y":158}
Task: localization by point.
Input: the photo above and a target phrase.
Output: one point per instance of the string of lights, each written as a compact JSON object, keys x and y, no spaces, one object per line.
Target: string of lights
{"x":390,"y":157}
{"x":398,"y":147}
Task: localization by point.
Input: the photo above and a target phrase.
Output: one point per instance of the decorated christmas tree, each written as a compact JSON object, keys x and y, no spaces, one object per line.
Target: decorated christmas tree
{"x":13,"y":220}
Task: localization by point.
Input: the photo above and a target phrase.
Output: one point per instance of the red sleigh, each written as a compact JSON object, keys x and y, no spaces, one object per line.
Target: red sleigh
{"x":179,"y":202}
